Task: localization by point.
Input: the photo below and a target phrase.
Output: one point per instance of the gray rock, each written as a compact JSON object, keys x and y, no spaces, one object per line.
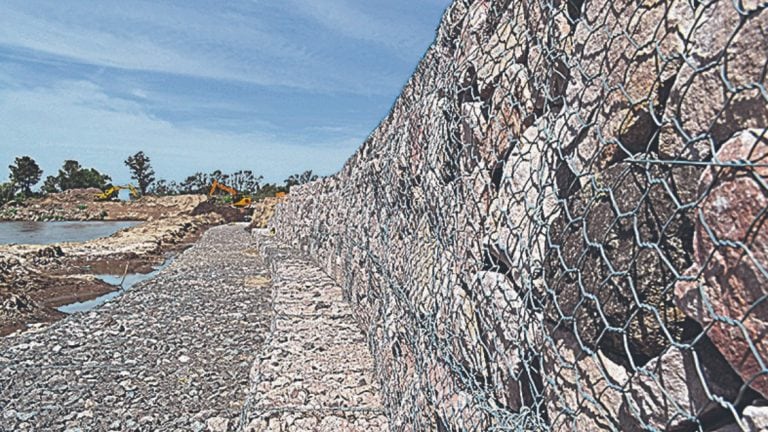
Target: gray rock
{"x":620,"y":82}
{"x":24,"y":416}
{"x":583,"y":389}
{"x":217,"y":424}
{"x":756,"y":418}
{"x":104,"y":379}
{"x":678,"y":387}
{"x":716,"y":92}
{"x":599,"y":264}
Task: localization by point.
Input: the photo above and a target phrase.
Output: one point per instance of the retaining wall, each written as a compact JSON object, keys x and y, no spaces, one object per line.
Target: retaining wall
{"x":561,"y":223}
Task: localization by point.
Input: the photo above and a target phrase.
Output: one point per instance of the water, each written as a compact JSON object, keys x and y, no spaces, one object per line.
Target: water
{"x":56,"y":232}
{"x":131,"y":279}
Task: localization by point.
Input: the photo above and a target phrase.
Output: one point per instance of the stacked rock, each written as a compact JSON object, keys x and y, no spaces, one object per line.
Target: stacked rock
{"x":562,"y":222}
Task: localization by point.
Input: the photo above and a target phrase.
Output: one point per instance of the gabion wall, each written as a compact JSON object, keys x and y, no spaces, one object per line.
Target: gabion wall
{"x":561,"y":225}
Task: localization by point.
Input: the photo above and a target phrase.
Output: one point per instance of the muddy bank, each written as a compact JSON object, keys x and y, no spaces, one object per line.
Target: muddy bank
{"x":172,"y":354}
{"x":36,"y":279}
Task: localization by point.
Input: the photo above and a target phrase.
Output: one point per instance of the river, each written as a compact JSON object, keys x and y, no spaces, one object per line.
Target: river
{"x":56,"y":232}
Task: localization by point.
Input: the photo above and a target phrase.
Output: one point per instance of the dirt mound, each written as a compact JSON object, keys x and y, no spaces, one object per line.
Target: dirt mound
{"x":263,"y":211}
{"x":229,"y":213}
{"x":80,"y":205}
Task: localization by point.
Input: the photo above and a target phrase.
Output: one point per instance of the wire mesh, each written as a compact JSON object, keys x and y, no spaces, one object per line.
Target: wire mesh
{"x":561,"y":223}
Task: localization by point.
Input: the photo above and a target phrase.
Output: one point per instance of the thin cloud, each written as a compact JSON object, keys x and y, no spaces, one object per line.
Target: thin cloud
{"x":284,"y":86}
{"x":211,"y":46}
{"x":109,"y":129}
{"x":348,"y":19}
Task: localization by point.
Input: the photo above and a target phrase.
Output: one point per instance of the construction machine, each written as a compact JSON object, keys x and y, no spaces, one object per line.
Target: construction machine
{"x":237,"y":199}
{"x":112,"y":192}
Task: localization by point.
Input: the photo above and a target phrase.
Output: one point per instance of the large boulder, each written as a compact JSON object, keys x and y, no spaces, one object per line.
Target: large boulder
{"x":679,"y":388}
{"x":614,"y":256}
{"x":726,"y":287}
{"x":582,"y":388}
{"x":627,"y":57}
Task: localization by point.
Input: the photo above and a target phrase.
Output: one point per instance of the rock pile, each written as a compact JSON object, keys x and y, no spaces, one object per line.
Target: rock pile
{"x":561,"y":223}
{"x":171,"y":354}
{"x":315,"y":372}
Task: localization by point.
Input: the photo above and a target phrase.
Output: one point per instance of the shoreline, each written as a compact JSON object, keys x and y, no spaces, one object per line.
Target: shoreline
{"x":174,"y":353}
{"x":37,"y":279}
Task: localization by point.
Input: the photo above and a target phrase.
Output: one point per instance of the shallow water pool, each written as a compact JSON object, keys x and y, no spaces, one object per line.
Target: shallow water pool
{"x":56,"y":232}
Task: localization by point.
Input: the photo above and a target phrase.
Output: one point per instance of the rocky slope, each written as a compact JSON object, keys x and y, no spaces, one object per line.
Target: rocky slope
{"x":237,"y":334}
{"x":561,"y":222}
{"x":36,"y":279}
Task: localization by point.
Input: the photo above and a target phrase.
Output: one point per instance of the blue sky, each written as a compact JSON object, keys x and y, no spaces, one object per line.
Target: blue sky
{"x":276,"y":86}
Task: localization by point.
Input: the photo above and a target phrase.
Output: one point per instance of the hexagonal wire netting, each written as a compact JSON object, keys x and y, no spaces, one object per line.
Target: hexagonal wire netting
{"x":561,"y":223}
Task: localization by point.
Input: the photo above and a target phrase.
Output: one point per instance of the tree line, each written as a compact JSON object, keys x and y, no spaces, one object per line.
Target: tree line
{"x":25,"y":173}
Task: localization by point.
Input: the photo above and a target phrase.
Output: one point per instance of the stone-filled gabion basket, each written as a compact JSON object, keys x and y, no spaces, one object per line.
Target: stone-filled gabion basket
{"x":561,"y":225}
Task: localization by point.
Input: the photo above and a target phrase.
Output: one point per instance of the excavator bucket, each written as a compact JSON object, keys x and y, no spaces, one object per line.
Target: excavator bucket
{"x":107,"y":194}
{"x":234,"y":196}
{"x":243,"y":202}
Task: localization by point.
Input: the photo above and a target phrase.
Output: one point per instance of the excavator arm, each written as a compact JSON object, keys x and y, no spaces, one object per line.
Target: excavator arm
{"x":221,"y":186}
{"x":134,"y":193}
{"x":112,"y":192}
{"x":107,"y":194}
{"x":237,"y":201}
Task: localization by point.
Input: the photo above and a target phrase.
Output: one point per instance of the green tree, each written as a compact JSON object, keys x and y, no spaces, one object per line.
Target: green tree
{"x":25,"y":173}
{"x":268,"y":190}
{"x":197,"y":183}
{"x":163,"y":187}
{"x":299,"y":179}
{"x":244,"y":181}
{"x":73,"y":176}
{"x":218,"y":175}
{"x":7,"y":191}
{"x":50,"y":185}
{"x":141,"y":170}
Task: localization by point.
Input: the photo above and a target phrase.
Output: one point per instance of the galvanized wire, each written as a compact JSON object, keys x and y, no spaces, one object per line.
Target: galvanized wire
{"x":561,"y":223}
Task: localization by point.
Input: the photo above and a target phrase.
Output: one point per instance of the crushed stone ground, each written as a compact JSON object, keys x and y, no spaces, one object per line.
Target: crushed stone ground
{"x":215,"y":342}
{"x":315,"y":372}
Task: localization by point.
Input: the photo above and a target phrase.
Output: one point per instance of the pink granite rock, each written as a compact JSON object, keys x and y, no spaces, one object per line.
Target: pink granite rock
{"x":677,"y":387}
{"x":731,"y":252}
{"x":583,"y":390}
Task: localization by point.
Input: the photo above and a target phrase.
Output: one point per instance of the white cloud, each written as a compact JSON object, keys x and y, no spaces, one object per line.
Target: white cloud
{"x":277,"y":86}
{"x":77,"y":120}
{"x":347,"y":19}
{"x":173,"y":40}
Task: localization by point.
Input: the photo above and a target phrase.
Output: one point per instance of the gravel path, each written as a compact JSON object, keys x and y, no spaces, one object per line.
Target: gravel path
{"x":216,"y":342}
{"x":315,"y":372}
{"x":171,"y":354}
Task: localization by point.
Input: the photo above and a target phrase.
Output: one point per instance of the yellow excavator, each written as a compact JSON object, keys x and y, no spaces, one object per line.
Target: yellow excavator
{"x":112,"y":192}
{"x":237,"y":200}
